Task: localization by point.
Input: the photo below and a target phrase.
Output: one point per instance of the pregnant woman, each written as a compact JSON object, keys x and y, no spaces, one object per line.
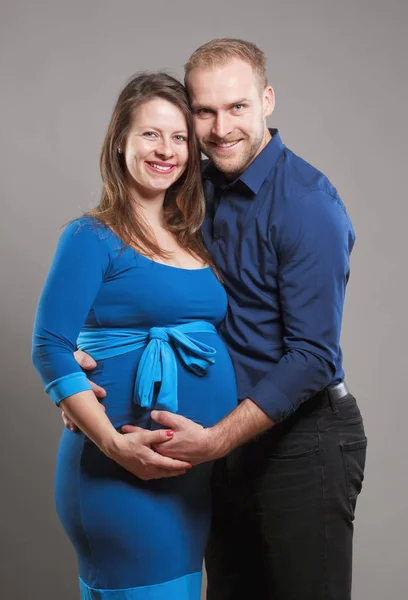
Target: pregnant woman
{"x":132,"y":285}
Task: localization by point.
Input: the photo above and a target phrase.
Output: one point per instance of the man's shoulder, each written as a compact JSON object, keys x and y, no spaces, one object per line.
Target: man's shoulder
{"x":303,"y":195}
{"x":304,"y":178}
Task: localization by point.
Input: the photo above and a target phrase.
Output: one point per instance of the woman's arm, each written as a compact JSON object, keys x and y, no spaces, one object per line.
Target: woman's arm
{"x":81,"y":262}
{"x":132,"y":451}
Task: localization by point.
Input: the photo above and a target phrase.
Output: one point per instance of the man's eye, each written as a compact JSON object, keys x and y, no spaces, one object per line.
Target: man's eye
{"x":238,"y":106}
{"x":202,"y":111}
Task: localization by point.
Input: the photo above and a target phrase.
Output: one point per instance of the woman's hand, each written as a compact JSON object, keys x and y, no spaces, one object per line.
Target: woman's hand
{"x":134,"y":452}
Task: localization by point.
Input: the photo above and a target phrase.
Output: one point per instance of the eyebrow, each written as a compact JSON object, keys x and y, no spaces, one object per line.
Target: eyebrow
{"x":197,"y":106}
{"x":147,"y":126}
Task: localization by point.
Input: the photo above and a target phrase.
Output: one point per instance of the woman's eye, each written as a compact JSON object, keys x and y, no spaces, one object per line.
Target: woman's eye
{"x":181,"y":138}
{"x":149,"y":134}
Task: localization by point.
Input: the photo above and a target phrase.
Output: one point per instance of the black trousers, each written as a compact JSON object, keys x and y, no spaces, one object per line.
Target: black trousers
{"x":283,"y":508}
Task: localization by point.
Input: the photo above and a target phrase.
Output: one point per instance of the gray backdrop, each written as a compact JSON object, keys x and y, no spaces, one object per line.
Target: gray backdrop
{"x":340,"y":75}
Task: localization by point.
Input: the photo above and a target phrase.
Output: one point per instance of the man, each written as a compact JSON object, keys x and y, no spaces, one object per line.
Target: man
{"x":291,"y":455}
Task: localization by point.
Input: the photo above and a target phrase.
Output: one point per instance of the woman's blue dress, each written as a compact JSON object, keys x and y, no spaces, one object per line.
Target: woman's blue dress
{"x":135,"y":540}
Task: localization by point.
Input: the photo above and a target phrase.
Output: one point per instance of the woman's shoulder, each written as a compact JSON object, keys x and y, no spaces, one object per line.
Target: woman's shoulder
{"x":87,"y":231}
{"x":87,"y":226}
{"x":85,"y":223}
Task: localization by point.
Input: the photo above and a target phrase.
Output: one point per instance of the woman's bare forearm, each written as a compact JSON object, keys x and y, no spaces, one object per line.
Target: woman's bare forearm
{"x":133,"y":451}
{"x":86,"y":412}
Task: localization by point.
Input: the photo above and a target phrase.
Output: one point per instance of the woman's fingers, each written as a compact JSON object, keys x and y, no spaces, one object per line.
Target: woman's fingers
{"x":158,"y":436}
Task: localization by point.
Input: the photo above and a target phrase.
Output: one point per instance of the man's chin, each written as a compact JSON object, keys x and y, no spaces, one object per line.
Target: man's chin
{"x":228,"y":167}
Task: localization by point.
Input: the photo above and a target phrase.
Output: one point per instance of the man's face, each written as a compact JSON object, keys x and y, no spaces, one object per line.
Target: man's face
{"x":230,"y":108}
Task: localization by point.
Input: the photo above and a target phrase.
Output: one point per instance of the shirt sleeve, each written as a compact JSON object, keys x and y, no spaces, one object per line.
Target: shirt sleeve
{"x":73,"y":282}
{"x":313,"y":242}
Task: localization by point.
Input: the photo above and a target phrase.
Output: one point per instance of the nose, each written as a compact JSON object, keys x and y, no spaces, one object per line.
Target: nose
{"x":165,"y":149}
{"x":221,"y":126}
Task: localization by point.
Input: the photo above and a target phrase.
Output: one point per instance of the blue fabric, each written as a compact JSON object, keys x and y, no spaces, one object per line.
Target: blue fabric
{"x":131,"y":535}
{"x":67,"y":385}
{"x":281,"y":239}
{"x":158,"y":361}
{"x":184,"y":588}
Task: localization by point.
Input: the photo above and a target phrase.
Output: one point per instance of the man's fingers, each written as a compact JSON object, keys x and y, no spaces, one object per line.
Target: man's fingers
{"x":160,"y":449}
{"x":152,"y":458}
{"x":164,"y":473}
{"x":163,"y":462}
{"x":166,"y":418}
{"x":99,"y":391}
{"x":85,"y":361}
{"x":68,"y":423}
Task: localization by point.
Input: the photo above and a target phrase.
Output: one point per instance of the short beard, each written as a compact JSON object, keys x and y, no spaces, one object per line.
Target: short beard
{"x":240,"y":166}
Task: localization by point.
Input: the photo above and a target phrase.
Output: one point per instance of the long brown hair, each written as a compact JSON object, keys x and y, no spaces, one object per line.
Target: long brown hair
{"x":184,"y":204}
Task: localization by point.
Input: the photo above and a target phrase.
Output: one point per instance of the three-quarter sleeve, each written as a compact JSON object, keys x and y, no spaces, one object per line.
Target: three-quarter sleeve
{"x":314,"y":242}
{"x":76,"y":274}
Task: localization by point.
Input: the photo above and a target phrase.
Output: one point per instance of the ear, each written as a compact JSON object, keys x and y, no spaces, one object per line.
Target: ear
{"x":268,"y":100}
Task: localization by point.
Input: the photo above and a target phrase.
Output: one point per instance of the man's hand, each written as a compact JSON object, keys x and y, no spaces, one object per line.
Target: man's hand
{"x":191,"y":442}
{"x":86,"y":363}
{"x":195,"y":444}
{"x":134,"y":452}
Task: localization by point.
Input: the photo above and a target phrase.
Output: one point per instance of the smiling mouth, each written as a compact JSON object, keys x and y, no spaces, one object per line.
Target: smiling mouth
{"x":162,"y":168}
{"x":225,"y":146}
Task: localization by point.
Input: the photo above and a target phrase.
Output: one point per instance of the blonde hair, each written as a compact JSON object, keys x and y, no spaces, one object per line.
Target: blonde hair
{"x":221,"y":50}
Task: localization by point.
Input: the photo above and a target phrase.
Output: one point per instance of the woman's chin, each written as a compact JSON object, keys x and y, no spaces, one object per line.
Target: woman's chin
{"x":151,"y":188}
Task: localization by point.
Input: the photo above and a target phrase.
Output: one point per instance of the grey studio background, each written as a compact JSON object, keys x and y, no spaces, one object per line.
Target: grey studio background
{"x":339,"y":72}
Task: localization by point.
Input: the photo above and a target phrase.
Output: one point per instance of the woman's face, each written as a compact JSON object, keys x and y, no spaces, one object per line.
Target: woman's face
{"x":156,"y":148}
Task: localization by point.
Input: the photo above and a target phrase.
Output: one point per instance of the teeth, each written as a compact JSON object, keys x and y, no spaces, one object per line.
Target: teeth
{"x":227,"y":144}
{"x":160,"y":167}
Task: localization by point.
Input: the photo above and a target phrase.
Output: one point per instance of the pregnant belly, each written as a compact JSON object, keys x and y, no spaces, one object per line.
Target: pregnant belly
{"x":205,"y":399}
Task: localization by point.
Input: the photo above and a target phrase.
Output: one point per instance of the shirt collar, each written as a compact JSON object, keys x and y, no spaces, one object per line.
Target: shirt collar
{"x":256,"y":173}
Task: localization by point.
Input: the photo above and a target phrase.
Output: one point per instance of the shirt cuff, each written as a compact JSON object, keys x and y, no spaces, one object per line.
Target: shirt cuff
{"x":66,"y":386}
{"x":272,"y":400}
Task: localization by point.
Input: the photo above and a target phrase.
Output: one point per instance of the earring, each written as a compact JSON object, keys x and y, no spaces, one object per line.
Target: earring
{"x":119,"y":150}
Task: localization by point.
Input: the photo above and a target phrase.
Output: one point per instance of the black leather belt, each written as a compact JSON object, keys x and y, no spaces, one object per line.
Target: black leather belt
{"x":327,"y":397}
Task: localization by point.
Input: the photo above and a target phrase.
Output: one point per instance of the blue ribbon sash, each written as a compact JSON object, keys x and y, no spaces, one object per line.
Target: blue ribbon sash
{"x":158,"y":363}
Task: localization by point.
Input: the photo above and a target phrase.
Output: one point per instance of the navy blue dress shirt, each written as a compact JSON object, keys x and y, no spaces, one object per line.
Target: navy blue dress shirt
{"x":281,"y":239}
